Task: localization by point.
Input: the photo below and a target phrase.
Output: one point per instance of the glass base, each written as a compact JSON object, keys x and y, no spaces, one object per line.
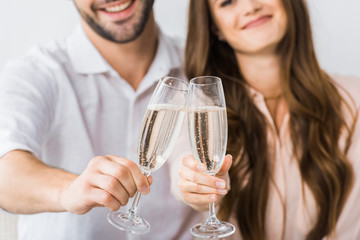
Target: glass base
{"x":203,"y":230}
{"x":126,"y":221}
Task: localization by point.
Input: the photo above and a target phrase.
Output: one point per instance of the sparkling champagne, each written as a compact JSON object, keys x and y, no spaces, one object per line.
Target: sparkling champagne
{"x":161,"y":127}
{"x":208,"y":136}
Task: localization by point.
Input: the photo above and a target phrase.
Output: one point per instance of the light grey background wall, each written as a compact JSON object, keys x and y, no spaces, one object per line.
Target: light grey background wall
{"x":335,"y":26}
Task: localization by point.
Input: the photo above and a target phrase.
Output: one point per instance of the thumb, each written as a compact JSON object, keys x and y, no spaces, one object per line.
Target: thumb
{"x":225,"y":166}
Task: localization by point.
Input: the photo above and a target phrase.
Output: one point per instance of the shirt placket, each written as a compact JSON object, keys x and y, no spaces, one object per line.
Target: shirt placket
{"x":128,"y":92}
{"x":131,"y":135}
{"x":279,"y":174}
{"x":280,"y":177}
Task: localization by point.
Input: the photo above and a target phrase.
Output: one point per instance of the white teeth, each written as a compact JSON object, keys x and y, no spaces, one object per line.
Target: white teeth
{"x":119,"y":7}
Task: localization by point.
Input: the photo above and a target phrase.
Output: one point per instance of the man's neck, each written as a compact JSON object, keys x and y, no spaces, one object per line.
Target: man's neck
{"x":130,"y":60}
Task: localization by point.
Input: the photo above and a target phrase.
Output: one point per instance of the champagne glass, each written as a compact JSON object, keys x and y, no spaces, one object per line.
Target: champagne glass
{"x":160,"y":128}
{"x":208,"y":137}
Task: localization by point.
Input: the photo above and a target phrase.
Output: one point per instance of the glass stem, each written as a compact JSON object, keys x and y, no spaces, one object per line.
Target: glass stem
{"x":133,"y":209}
{"x":212,"y":219}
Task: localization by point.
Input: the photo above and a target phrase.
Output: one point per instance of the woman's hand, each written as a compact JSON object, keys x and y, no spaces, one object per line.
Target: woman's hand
{"x":199,"y":189}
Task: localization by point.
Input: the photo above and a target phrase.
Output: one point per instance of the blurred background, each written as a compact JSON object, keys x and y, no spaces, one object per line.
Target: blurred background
{"x":335,"y":26}
{"x":25,"y":23}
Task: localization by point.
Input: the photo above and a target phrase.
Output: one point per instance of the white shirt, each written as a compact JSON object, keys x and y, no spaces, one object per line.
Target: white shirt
{"x":66,"y":105}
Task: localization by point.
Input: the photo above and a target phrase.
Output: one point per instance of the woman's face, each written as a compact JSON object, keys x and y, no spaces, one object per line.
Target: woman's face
{"x":249,"y":26}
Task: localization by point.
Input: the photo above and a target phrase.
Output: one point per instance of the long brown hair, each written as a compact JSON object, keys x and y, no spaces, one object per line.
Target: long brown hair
{"x":316,"y":122}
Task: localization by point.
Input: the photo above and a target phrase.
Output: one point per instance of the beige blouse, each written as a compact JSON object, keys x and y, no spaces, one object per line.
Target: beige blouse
{"x":291,"y":213}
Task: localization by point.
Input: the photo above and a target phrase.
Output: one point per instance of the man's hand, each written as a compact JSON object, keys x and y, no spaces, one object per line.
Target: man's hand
{"x":107,"y":181}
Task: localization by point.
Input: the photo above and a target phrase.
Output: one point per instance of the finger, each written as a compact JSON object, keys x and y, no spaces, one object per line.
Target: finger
{"x":103,"y":198}
{"x":111,"y":185}
{"x":202,"y":178}
{"x":191,"y":163}
{"x":187,"y":186}
{"x":138,"y":177}
{"x":118,"y":171}
{"x":197,"y":199}
{"x":150,"y":179}
{"x":225,"y":166}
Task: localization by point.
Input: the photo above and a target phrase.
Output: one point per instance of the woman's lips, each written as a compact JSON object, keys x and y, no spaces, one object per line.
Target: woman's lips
{"x":261,"y":20}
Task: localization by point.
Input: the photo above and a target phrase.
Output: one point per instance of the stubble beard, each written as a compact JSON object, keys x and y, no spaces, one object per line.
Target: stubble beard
{"x":126,"y":33}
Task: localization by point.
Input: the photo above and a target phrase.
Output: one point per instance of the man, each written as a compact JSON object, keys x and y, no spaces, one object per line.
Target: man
{"x":64,"y":104}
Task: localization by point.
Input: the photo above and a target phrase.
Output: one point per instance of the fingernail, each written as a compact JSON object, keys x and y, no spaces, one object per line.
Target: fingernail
{"x":222,"y":191}
{"x":220,"y":184}
{"x":144,"y":189}
{"x":212,"y":197}
{"x":201,"y":167}
{"x":229,"y":155}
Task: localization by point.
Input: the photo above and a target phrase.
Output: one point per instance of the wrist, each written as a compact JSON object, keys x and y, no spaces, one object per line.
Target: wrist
{"x":62,"y":193}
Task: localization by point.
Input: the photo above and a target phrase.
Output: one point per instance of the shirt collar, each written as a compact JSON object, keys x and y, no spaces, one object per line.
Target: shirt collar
{"x":86,"y":58}
{"x":256,"y":95}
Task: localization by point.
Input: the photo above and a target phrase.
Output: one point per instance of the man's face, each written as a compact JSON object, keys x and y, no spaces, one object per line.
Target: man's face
{"x":119,"y":21}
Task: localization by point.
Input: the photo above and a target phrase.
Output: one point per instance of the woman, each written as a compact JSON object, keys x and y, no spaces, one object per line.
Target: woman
{"x":293,"y":129}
